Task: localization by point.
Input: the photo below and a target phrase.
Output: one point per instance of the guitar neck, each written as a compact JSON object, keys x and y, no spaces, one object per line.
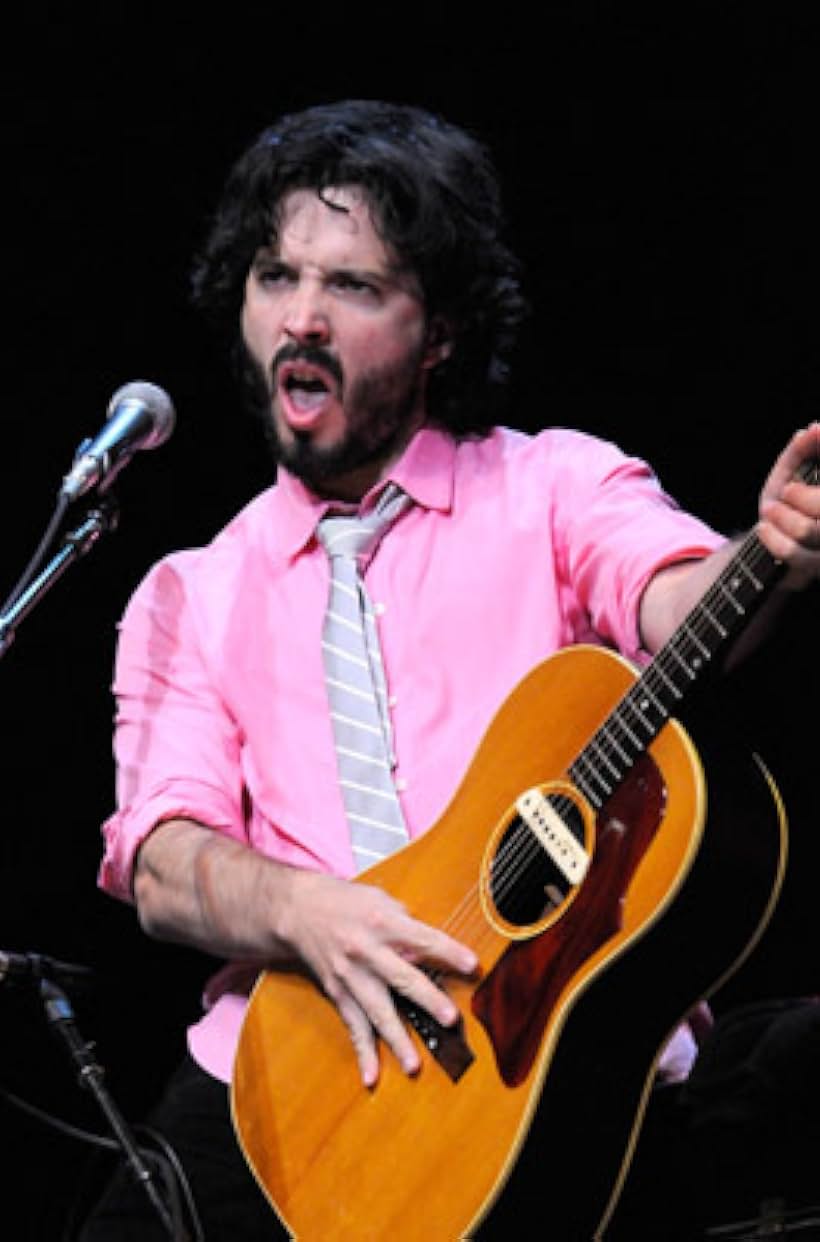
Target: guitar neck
{"x":719,"y":617}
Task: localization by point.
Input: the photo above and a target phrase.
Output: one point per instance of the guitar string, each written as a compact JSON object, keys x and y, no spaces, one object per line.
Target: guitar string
{"x":459,"y":921}
{"x":521,"y":848}
{"x":700,"y":625}
{"x":516,"y":856}
{"x":467,"y":921}
{"x":706,"y":620}
{"x":507,"y":871}
{"x":512,"y":860}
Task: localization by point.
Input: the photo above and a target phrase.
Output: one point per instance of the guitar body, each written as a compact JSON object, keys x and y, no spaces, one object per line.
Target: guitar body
{"x":533,"y":1107}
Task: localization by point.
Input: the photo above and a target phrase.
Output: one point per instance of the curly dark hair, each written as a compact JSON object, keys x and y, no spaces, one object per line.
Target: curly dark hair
{"x":434,"y":194}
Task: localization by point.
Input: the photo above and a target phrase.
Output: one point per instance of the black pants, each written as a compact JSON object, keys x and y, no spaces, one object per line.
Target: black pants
{"x":194,"y":1117}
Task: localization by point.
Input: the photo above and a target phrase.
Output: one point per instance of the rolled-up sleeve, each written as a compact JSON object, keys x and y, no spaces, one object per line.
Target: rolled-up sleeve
{"x":622,"y":528}
{"x":176,"y":744}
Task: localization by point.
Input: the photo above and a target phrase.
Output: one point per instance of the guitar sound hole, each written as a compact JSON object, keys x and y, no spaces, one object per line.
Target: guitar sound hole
{"x":525,"y":884}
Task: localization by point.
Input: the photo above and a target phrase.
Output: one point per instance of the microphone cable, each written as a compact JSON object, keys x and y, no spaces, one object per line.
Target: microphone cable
{"x":166,"y":1161}
{"x":36,"y":560}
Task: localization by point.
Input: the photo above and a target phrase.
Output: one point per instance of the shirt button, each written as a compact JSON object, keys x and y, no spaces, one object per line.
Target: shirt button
{"x":401,"y":783}
{"x":392,"y":700}
{"x":380,"y":609}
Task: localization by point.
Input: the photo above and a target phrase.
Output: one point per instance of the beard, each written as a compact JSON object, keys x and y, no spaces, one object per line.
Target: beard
{"x":379,"y":409}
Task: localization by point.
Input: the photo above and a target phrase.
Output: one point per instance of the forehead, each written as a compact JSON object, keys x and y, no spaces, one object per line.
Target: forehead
{"x":338,"y":218}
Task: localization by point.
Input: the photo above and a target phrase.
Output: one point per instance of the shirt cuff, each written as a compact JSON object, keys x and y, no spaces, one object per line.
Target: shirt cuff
{"x":125,"y":831}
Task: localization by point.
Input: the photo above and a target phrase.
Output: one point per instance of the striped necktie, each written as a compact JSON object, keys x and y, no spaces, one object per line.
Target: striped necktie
{"x":356,"y":687}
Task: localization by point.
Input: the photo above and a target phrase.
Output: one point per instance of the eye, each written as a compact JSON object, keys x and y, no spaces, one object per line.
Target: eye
{"x":347,"y":282}
{"x":271,"y":272}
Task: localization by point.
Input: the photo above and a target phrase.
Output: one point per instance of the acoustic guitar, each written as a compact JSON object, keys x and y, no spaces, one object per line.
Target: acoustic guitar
{"x":608,"y":875}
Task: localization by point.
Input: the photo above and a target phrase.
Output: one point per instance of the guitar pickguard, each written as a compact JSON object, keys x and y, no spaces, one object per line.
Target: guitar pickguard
{"x":516,"y":1000}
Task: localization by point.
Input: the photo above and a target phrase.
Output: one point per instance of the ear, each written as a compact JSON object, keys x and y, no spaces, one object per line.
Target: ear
{"x":439,"y":344}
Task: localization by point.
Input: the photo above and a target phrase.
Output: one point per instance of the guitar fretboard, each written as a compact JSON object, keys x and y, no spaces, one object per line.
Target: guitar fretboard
{"x":641,"y":714}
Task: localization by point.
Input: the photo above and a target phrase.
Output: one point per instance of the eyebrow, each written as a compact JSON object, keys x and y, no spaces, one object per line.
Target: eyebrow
{"x":393,"y":274}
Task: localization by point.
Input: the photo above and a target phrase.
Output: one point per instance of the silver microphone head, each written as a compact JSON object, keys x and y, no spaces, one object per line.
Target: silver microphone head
{"x":157,"y":401}
{"x":140,"y":416}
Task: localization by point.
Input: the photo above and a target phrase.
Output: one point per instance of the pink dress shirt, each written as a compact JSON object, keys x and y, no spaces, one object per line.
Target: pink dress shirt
{"x":516,"y":546}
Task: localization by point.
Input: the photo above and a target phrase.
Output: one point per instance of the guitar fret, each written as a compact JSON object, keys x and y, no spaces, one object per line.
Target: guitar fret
{"x":674,"y":652}
{"x":756,"y":583}
{"x":721,"y":629}
{"x":672,"y":685}
{"x":643,"y":719}
{"x":656,"y":702}
{"x":739,"y":609}
{"x":633,"y":737}
{"x":623,"y":754}
{"x":587,"y":788}
{"x":701,"y":646}
{"x":599,"y":750}
{"x":650,"y":701}
{"x":605,"y":785}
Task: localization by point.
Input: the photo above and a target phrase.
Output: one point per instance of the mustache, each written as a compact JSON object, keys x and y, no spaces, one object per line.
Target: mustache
{"x":312,"y":354}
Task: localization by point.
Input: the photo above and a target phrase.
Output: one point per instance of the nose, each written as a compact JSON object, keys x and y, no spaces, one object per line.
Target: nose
{"x":306,"y":319}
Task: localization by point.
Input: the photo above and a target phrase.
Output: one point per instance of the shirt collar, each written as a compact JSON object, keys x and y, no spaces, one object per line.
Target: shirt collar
{"x":425,"y":471}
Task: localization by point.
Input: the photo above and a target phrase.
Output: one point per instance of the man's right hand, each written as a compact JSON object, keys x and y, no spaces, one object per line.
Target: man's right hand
{"x":197,"y":887}
{"x":362,"y":944}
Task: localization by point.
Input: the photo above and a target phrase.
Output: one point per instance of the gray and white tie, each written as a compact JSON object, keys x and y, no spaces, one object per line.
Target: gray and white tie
{"x":356,"y":685}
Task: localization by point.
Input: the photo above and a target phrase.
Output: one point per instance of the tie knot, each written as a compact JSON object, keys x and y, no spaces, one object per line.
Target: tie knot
{"x":351,"y":536}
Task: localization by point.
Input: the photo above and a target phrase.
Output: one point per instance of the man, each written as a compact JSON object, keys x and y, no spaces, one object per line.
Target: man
{"x":359,"y":249}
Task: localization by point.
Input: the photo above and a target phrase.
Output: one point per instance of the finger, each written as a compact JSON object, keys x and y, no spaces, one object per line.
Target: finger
{"x":804,"y":500}
{"x":415,"y":984}
{"x":390,"y":926}
{"x":362,"y":1038}
{"x":802,"y":560}
{"x":373,"y":1001}
{"x":804,"y":446}
{"x":786,"y":528}
{"x":421,"y":942}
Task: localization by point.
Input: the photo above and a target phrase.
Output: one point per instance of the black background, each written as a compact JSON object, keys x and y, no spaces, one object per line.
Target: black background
{"x":660,"y":178}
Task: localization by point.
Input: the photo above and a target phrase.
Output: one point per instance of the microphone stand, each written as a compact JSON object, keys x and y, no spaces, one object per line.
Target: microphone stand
{"x":76,"y":543}
{"x":60,"y":1015}
{"x":102,"y":518}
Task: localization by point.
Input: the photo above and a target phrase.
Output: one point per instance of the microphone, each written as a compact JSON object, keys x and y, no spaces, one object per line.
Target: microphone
{"x":22,"y":969}
{"x":140,"y":416}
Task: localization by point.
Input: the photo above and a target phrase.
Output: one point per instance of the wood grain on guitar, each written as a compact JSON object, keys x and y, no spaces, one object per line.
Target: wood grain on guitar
{"x":539,"y":1092}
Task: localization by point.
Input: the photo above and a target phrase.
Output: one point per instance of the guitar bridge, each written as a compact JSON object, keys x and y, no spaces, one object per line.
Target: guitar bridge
{"x":445,"y":1043}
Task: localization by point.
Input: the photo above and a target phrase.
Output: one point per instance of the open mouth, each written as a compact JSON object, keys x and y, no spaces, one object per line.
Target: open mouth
{"x":306,"y":388}
{"x":305,"y":391}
